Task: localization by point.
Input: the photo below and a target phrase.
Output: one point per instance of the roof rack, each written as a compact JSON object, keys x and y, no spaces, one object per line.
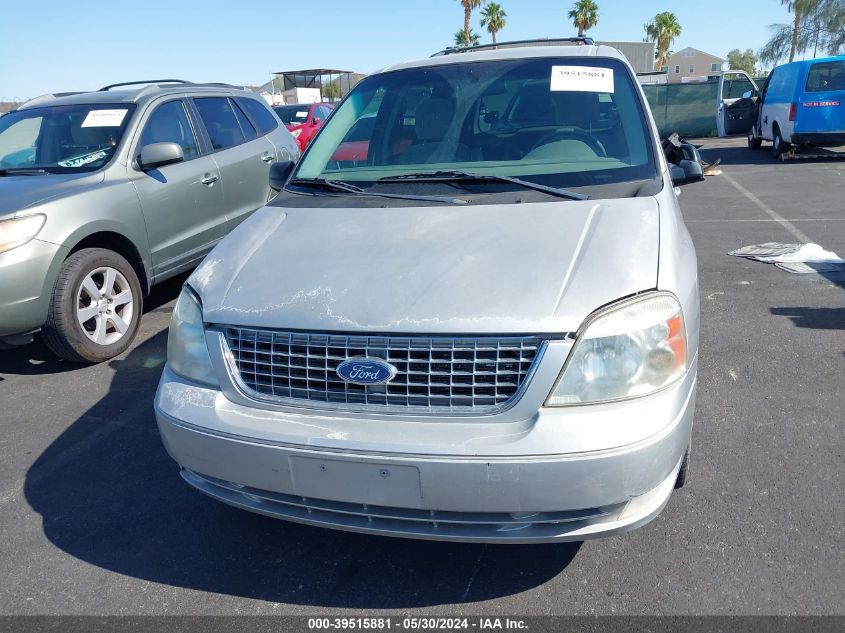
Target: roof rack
{"x":138,"y":83}
{"x":583,"y":41}
{"x":220,"y":84}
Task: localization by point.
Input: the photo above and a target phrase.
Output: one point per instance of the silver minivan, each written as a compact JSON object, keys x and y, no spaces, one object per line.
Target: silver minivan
{"x":470,"y":314}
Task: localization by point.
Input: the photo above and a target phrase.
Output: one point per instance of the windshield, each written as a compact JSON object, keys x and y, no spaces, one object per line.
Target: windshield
{"x":292,"y":114}
{"x":70,"y":138}
{"x":562,"y":122}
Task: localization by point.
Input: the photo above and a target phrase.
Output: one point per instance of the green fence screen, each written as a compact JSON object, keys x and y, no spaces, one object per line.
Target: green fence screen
{"x":688,"y":109}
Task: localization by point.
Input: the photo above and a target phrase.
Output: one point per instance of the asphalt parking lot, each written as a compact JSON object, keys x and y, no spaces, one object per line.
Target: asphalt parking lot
{"x":94,"y":518}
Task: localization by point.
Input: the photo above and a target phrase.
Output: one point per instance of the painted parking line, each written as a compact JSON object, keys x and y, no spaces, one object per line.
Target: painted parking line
{"x":789,"y":226}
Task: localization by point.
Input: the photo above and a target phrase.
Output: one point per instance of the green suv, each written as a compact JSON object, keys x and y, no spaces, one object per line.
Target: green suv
{"x":104,"y":194}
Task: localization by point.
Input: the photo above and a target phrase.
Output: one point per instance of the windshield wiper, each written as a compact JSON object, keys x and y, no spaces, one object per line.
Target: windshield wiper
{"x":21,"y":171}
{"x":345,"y":187}
{"x":457,"y":174}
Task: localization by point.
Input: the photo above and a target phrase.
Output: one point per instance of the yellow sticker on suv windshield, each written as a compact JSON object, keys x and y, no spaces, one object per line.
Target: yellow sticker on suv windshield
{"x":581,"y":79}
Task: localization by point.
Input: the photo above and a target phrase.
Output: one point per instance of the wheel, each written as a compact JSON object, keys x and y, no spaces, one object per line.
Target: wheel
{"x":753,"y":141}
{"x":95,"y":309}
{"x":778,"y":146}
{"x":684,"y":470}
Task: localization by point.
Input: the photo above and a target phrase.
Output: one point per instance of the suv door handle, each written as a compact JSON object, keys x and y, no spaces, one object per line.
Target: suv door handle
{"x":210,"y":179}
{"x":267,"y":158}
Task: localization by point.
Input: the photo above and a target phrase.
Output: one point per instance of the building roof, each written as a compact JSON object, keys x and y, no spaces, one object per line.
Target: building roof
{"x":315,"y":72}
{"x":694,"y":51}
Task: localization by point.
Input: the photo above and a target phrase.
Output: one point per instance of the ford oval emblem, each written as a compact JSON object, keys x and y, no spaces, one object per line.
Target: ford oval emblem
{"x":366,"y":371}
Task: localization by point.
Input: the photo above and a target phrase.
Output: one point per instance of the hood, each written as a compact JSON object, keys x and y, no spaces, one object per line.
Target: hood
{"x":530,"y":268}
{"x":18,"y":193}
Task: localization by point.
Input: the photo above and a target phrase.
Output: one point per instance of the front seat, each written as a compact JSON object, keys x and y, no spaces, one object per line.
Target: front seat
{"x":432,"y":121}
{"x":166,"y":130}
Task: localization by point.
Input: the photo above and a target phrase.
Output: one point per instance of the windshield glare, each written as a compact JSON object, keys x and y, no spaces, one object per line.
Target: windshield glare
{"x":564,"y":122}
{"x":62,"y":138}
{"x":292,"y":114}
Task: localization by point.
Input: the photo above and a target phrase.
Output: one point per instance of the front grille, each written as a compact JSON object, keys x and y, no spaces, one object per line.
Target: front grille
{"x":449,"y":374}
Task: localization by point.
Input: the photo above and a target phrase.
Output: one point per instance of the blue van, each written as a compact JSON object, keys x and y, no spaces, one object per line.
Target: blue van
{"x":801,"y":104}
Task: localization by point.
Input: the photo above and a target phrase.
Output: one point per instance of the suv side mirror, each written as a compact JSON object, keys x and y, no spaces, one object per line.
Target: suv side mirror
{"x":749,"y":94}
{"x":279,"y":174}
{"x":157,"y":155}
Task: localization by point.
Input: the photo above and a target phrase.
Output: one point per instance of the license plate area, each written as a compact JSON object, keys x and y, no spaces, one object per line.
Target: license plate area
{"x":356,"y":482}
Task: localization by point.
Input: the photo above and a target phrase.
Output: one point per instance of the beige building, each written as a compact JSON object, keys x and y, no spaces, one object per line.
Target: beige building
{"x":691,"y":64}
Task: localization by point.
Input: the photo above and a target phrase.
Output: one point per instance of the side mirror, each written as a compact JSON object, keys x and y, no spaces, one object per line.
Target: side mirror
{"x":678,"y":175}
{"x":491,"y":117}
{"x":157,"y":155}
{"x":279,"y":174}
{"x":749,"y":94}
{"x":686,"y":171}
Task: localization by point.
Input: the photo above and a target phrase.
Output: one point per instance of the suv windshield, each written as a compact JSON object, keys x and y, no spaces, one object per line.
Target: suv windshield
{"x":292,"y":114}
{"x":57,"y":139}
{"x":560,"y":122}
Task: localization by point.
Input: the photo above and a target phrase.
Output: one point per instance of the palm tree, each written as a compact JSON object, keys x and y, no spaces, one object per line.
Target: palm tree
{"x":493,"y":17}
{"x":799,"y":9}
{"x":468,"y":6}
{"x":663,"y":30}
{"x":460,"y":39}
{"x":817,"y":24}
{"x":584,"y":15}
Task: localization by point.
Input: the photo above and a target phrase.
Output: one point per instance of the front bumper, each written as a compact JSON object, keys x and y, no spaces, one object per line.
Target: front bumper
{"x":492,"y":494}
{"x":27,"y":276}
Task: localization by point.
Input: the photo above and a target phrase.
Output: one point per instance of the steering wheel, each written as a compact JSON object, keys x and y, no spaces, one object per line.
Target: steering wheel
{"x":560,"y":135}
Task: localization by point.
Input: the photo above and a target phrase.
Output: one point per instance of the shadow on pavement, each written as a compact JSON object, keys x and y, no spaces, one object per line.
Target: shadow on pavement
{"x":742,"y":155}
{"x":814,"y":318}
{"x":35,"y":359}
{"x":109,"y":495}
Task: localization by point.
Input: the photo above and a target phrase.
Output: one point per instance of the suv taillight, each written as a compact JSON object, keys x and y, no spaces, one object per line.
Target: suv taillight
{"x":792,"y":110}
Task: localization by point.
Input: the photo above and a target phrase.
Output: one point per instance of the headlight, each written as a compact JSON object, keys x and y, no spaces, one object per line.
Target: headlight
{"x":630,"y":349}
{"x":297,"y":132}
{"x":187,"y":353}
{"x":18,"y":231}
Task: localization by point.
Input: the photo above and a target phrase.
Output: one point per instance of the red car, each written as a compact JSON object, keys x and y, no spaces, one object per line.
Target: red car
{"x":303,"y":119}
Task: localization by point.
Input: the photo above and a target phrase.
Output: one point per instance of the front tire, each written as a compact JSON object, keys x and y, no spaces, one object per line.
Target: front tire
{"x":778,"y":146}
{"x":95,"y":309}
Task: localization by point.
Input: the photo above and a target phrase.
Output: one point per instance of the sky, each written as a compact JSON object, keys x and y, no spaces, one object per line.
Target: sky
{"x":58,"y":45}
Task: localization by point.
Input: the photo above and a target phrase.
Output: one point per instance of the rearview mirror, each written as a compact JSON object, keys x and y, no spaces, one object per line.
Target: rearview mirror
{"x":279,"y":174}
{"x":316,"y":121}
{"x":157,"y":155}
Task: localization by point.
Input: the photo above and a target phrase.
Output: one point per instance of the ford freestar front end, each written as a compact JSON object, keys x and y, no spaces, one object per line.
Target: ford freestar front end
{"x":486,"y":330}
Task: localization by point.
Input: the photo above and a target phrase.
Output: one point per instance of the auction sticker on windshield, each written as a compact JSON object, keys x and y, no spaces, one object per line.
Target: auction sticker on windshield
{"x":581,"y":79}
{"x":104,"y":118}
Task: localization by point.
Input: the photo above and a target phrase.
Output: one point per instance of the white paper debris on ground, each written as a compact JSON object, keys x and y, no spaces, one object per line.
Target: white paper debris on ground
{"x":793,"y":258}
